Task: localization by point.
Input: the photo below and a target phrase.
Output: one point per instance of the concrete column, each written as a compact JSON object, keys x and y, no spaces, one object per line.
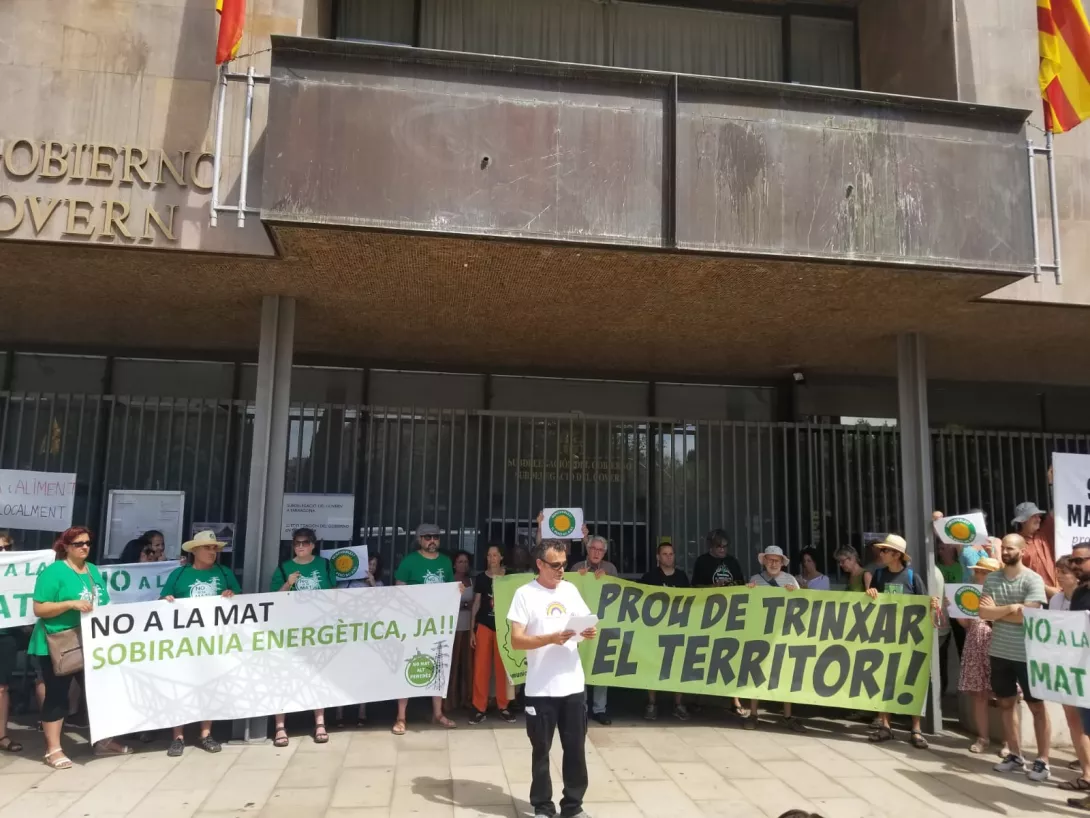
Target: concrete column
{"x":268,"y":461}
{"x":916,"y":486}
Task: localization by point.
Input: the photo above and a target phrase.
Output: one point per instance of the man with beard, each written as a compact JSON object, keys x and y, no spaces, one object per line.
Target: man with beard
{"x":424,"y":567}
{"x":1005,"y":594}
{"x":717,"y":568}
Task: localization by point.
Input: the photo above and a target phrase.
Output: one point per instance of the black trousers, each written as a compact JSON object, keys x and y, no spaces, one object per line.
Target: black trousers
{"x":55,"y":706}
{"x":957,"y":633}
{"x":568,"y":715}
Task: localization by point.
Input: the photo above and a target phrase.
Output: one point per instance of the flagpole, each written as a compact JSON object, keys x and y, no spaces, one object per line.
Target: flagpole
{"x":217,"y":150}
{"x":1049,"y":156}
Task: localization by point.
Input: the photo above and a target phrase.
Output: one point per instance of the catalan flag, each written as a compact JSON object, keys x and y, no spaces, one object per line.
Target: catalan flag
{"x":232,"y":13}
{"x":1064,"y":37}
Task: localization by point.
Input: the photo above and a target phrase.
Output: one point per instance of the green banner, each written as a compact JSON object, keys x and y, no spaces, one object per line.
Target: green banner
{"x":833,"y":648}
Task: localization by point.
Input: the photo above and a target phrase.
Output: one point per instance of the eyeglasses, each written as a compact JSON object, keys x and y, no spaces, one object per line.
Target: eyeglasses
{"x":148,"y":552}
{"x":303,"y":542}
{"x":556,"y":566}
{"x":5,"y":547}
{"x":83,"y":544}
{"x":429,"y":538}
{"x":1078,"y":560}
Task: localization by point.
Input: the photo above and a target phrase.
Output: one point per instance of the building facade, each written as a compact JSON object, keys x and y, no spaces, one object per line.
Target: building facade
{"x":652,"y":259}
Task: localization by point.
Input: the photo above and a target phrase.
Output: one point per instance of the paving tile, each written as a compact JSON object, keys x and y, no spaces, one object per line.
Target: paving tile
{"x":292,"y":811}
{"x":806,"y":780}
{"x":433,"y":765}
{"x":422,"y":740}
{"x":494,"y":811}
{"x":14,"y":785}
{"x":875,"y":790}
{"x":265,"y":758}
{"x":824,"y":758}
{"x":481,"y":786}
{"x":614,"y":809}
{"x":772,"y":798}
{"x":760,"y":747}
{"x":661,"y":798}
{"x":422,"y":803}
{"x":844,"y":808}
{"x":664,"y":746}
{"x":632,"y":764}
{"x":197,"y":768}
{"x":170,"y":803}
{"x":118,"y":792}
{"x":732,"y":763}
{"x":307,"y":770}
{"x":364,"y":787}
{"x":699,"y":781}
{"x":359,"y":812}
{"x":604,"y":784}
{"x":80,"y":778}
{"x":244,"y":789}
{"x":40,"y":804}
{"x":697,"y":736}
{"x":730,"y":809}
{"x":301,"y":797}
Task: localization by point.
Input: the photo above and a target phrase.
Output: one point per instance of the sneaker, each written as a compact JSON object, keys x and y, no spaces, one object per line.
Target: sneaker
{"x":1040,"y":771}
{"x":507,"y":716}
{"x":209,"y":745}
{"x":680,"y":713}
{"x":651,"y":712}
{"x":1011,"y":764}
{"x":477,"y":717}
{"x":176,"y":748}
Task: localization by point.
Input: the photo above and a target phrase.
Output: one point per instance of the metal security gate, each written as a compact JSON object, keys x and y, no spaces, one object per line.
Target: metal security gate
{"x":482,"y":476}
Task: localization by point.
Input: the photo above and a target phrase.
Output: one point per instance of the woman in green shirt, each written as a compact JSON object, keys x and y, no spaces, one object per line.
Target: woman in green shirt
{"x":848,"y":560}
{"x":202,"y":577}
{"x":304,"y":572}
{"x":63,"y":591}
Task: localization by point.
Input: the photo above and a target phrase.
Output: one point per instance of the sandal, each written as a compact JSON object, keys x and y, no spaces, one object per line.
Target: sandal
{"x":280,"y":738}
{"x":109,"y":747}
{"x":399,"y":727}
{"x":880,"y":734}
{"x":9,"y":746}
{"x":917,"y":740}
{"x":320,"y":734}
{"x":794,"y":723}
{"x":1075,"y":766}
{"x":443,"y":721}
{"x":209,"y":744}
{"x":739,"y":711}
{"x":361,"y":722}
{"x":979,"y":746}
{"x":61,"y":763}
{"x":1079,"y":784}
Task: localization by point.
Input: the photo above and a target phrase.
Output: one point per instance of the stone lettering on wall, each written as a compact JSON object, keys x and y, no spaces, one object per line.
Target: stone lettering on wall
{"x":94,"y":188}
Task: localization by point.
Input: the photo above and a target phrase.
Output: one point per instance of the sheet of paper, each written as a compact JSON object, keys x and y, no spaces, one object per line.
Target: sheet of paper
{"x":580,"y":624}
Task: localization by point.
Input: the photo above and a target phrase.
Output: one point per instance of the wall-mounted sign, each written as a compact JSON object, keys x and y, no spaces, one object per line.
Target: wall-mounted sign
{"x":36,"y":500}
{"x":109,"y":193}
{"x":329,"y":515}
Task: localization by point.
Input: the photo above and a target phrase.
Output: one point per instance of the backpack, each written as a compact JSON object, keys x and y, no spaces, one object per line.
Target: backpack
{"x":911,"y":578}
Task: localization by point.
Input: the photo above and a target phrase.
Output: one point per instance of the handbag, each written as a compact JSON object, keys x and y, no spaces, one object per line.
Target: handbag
{"x":66,"y":647}
{"x":65,"y":651}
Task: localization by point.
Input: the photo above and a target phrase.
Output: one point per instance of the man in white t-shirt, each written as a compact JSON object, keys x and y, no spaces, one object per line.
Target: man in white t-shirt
{"x":556,"y":691}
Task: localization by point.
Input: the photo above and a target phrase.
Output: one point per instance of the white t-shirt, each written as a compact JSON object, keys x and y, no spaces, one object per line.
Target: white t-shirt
{"x":818,"y":583}
{"x":1059,"y":602}
{"x":782,"y":579}
{"x":553,"y":670}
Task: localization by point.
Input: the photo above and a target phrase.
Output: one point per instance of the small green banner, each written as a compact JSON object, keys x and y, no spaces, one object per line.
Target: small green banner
{"x":832,"y":648}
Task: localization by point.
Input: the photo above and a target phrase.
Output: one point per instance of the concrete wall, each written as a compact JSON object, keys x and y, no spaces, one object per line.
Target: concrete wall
{"x":123,"y":80}
{"x":997,"y":61}
{"x":908,"y":48}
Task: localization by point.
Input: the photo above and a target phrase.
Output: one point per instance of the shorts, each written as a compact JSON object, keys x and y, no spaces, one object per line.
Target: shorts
{"x":9,"y":649}
{"x":1008,"y":676}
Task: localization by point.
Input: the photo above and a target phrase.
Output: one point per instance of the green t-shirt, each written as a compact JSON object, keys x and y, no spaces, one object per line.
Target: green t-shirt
{"x":416,"y":569}
{"x":316,"y":575}
{"x":59,"y":583}
{"x":856,"y":583}
{"x":187,"y":582}
{"x":1008,"y":638}
{"x":952,"y":573}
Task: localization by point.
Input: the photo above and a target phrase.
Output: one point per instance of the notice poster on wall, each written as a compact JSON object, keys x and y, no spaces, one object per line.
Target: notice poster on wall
{"x":36,"y":500}
{"x":130,"y":513}
{"x":329,"y":515}
{"x":1071,"y":488}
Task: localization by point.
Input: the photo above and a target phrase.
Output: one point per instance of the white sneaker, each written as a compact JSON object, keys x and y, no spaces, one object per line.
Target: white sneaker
{"x":1011,"y":764}
{"x":1040,"y":771}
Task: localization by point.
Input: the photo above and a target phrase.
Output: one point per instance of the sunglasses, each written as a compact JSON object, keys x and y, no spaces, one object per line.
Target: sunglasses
{"x":5,"y":547}
{"x":429,"y":538}
{"x":81,"y":544}
{"x":1078,"y":560}
{"x":556,"y":566}
{"x":303,"y":542}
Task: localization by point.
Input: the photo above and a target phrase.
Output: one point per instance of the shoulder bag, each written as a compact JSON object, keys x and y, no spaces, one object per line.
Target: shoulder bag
{"x":66,"y":647}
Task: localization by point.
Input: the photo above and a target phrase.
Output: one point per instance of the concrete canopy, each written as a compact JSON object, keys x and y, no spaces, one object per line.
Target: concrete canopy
{"x":374,"y":298}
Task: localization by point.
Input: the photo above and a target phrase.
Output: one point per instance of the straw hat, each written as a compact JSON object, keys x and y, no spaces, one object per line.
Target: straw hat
{"x":203,"y":538}
{"x":894,"y":543}
{"x":987,"y":564}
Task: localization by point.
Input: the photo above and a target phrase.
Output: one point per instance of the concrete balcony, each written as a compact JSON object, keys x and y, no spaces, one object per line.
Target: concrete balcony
{"x":396,"y":138}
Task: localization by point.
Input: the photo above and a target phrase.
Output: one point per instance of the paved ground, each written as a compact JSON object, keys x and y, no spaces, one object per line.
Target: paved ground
{"x":637,"y":770}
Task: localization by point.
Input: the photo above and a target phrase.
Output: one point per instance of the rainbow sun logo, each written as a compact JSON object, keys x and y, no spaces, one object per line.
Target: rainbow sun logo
{"x":555,"y":609}
{"x":960,"y":530}
{"x":345,"y":563}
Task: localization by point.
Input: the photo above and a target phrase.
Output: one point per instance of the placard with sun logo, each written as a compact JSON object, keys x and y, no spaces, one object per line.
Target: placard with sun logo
{"x":348,"y":563}
{"x":562,"y":524}
{"x":963,"y":601}
{"x":963,"y":529}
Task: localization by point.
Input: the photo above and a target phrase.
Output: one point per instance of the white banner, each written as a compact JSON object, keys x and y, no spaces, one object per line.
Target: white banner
{"x":18,"y":571}
{"x":350,"y":562}
{"x":151,"y":665}
{"x":963,"y":600}
{"x":562,"y":524}
{"x":36,"y":500}
{"x":962,"y":530}
{"x":1058,"y":654}
{"x":1071,"y":493}
{"x":330,"y":515}
{"x":136,"y":581}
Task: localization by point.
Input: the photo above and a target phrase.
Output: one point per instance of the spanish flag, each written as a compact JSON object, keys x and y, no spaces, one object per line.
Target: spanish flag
{"x":1064,"y":37}
{"x":232,"y":13}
